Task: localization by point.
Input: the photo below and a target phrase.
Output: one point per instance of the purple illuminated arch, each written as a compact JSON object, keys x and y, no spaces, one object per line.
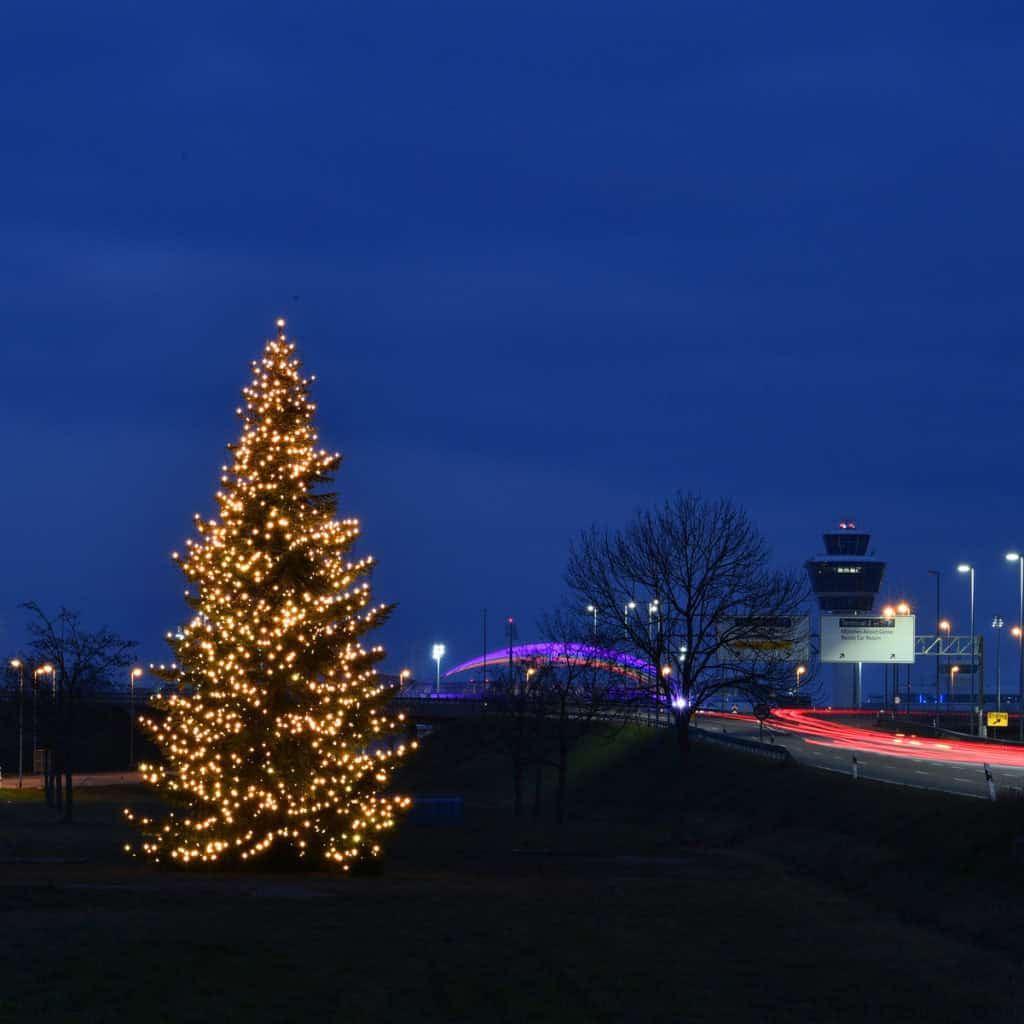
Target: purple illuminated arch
{"x":600,"y":657}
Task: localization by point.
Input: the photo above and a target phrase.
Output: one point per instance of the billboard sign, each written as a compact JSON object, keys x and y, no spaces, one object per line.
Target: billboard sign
{"x":865,"y":638}
{"x":765,"y":638}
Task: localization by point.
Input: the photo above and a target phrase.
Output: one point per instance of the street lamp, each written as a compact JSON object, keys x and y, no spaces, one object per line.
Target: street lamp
{"x":437,"y":653}
{"x":889,"y":612}
{"x":903,"y":608}
{"x":997,"y":625}
{"x":938,"y":620}
{"x":964,"y":567}
{"x":1017,"y":633}
{"x":403,"y":676}
{"x":953,"y":669}
{"x":36,"y":673}
{"x":132,"y":676}
{"x":17,"y":663}
{"x":1013,"y":556}
{"x":666,"y":675}
{"x":630,"y":605}
{"x":592,"y":608}
{"x":800,"y":671}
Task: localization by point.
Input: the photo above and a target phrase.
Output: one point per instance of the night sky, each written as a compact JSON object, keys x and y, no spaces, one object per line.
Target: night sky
{"x":549,"y":262}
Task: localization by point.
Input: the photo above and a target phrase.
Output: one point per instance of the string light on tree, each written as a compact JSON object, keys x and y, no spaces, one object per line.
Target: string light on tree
{"x":277,"y":736}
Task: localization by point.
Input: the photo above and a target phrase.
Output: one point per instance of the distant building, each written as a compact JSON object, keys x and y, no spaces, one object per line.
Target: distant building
{"x":846,"y":581}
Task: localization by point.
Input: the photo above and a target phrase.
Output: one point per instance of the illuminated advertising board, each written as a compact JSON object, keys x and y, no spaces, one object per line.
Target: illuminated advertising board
{"x":765,"y":638}
{"x":869,"y":639}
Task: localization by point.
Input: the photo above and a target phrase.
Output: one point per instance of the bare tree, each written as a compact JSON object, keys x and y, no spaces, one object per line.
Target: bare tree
{"x":82,"y":660}
{"x":691,"y":589}
{"x":581,"y":692}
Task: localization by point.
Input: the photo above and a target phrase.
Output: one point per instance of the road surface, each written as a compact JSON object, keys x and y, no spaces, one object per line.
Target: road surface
{"x":824,"y":740}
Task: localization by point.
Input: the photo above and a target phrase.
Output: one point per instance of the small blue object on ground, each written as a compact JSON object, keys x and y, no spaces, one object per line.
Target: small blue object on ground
{"x":436,"y":810}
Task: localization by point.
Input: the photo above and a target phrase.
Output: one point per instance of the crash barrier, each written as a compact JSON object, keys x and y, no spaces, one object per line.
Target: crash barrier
{"x":772,"y":751}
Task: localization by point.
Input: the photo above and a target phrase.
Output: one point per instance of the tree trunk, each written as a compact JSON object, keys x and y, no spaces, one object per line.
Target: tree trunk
{"x":563,"y":763}
{"x":48,"y":776}
{"x":68,"y":735}
{"x":57,"y":768}
{"x":517,"y":782}
{"x":683,"y":737}
{"x":538,"y":783}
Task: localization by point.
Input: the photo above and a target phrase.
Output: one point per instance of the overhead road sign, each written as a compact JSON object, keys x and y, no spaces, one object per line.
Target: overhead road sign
{"x":876,"y":640}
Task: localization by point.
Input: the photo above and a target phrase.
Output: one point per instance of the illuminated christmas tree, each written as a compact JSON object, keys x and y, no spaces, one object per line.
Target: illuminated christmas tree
{"x":277,"y":737}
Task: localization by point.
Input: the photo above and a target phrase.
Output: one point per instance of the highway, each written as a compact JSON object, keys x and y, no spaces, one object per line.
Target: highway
{"x":824,"y":740}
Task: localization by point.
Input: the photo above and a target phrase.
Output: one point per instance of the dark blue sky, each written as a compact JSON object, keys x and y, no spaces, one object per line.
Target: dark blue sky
{"x":549,"y":262}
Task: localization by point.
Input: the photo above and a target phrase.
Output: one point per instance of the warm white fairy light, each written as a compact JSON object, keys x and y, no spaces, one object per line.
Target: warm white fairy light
{"x":276,"y":734}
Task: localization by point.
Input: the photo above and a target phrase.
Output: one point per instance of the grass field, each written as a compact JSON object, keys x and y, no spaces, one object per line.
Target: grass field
{"x":771,"y":893}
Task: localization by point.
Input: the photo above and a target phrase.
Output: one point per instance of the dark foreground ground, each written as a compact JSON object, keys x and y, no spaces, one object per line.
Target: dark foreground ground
{"x":770,"y":894}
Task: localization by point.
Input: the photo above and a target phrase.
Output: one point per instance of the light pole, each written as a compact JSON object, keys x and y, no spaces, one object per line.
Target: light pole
{"x":953,"y":669}
{"x":1013,"y":556}
{"x":35,"y":714}
{"x":17,"y":663}
{"x":403,"y":676}
{"x":132,"y":676}
{"x":904,"y":609}
{"x":652,"y":613}
{"x":437,"y":653}
{"x":592,"y":608}
{"x":997,"y":625}
{"x":630,"y":605}
{"x":965,"y":568}
{"x":938,"y":627}
{"x":889,"y":612}
{"x":666,"y":675}
{"x":944,"y":627}
{"x":800,"y":671}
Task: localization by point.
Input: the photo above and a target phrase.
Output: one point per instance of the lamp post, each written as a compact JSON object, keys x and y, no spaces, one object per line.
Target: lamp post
{"x":17,"y":663}
{"x":629,"y":606}
{"x":35,"y":713}
{"x":938,"y":625}
{"x":437,"y":653}
{"x":403,"y":676}
{"x":964,"y":567}
{"x":652,"y":614}
{"x":666,"y":675}
{"x":889,"y":612}
{"x":904,"y":609}
{"x":944,"y":627}
{"x":592,"y":608}
{"x":1013,"y":556}
{"x":800,"y":671}
{"x":997,"y":625}
{"x":132,"y":676}
{"x":42,"y":670}
{"x":953,"y":669}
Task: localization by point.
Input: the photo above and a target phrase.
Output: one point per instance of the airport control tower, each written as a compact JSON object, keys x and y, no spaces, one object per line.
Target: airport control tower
{"x":846,"y":581}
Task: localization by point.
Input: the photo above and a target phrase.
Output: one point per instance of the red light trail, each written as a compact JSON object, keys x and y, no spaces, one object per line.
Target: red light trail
{"x":820,"y":728}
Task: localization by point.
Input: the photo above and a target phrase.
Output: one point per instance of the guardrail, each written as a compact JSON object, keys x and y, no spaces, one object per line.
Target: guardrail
{"x":772,"y":751}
